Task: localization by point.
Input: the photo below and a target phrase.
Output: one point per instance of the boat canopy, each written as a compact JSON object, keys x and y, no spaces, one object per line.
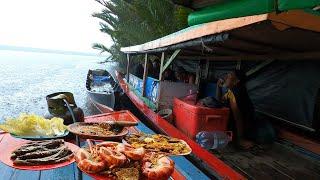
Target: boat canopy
{"x":288,"y":35}
{"x":196,"y":4}
{"x":254,"y":43}
{"x":281,"y":5}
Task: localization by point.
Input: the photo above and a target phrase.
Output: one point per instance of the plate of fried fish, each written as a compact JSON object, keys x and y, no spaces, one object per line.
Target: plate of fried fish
{"x":36,"y":155}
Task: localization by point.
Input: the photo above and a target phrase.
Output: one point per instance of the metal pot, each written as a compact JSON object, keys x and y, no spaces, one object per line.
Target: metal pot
{"x":57,"y":107}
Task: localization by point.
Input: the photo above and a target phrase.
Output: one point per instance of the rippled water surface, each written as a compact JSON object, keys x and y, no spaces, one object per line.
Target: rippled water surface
{"x":26,"y":79}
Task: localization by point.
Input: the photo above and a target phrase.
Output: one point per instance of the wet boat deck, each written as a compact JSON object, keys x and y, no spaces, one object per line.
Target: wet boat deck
{"x":279,"y":161}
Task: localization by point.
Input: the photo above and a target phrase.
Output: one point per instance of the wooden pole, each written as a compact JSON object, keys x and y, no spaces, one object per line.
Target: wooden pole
{"x":238,"y":65}
{"x":198,"y":76}
{"x":161,"y":66}
{"x":160,"y":79}
{"x":206,"y":72}
{"x":145,"y":74}
{"x":174,"y":55}
{"x":259,"y":67}
{"x":128,"y":67}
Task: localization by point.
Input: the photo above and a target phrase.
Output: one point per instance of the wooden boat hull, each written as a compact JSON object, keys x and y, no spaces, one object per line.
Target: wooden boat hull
{"x":102,"y":100}
{"x":100,"y":107}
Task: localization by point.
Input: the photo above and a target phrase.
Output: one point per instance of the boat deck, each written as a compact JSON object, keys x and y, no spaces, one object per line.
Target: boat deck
{"x":279,"y":161}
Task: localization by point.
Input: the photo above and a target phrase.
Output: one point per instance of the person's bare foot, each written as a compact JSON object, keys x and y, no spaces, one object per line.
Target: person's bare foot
{"x":245,"y":144}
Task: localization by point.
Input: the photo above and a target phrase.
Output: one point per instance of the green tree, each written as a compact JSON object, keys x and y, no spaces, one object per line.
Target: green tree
{"x":131,"y":22}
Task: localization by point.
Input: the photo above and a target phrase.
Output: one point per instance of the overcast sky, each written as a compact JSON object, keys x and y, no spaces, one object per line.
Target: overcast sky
{"x":51,"y":24}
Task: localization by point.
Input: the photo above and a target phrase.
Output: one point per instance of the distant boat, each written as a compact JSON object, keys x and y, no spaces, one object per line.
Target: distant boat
{"x":101,"y":88}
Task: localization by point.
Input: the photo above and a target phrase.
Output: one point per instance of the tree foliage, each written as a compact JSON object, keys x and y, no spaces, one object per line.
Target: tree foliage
{"x":131,"y":22}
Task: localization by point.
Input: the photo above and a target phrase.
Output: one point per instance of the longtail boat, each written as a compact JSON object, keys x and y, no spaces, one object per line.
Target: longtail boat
{"x":278,"y":53}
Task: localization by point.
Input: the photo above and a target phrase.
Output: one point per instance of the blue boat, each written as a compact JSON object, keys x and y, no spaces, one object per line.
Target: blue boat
{"x":101,"y":88}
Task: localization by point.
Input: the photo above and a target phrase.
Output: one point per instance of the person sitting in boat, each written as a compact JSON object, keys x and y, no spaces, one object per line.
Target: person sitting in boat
{"x":246,"y":126}
{"x":151,"y":72}
{"x":191,"y":78}
{"x":168,"y":75}
{"x":138,"y":70}
{"x":156,"y":68}
{"x":181,"y":75}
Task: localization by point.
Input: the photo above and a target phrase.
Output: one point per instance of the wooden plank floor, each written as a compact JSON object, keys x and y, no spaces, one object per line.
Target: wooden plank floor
{"x":276,"y":162}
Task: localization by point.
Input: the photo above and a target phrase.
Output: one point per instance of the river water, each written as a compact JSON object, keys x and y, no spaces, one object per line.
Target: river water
{"x":26,"y":78}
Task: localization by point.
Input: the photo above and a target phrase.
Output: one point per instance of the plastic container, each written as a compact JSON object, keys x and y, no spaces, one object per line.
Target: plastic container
{"x":166,"y":114}
{"x":214,"y":139}
{"x":191,"y":118}
{"x":100,"y":80}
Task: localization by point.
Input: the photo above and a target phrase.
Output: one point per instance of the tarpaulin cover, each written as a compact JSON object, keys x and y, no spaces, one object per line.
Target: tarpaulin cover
{"x":151,"y":89}
{"x":241,"y":8}
{"x":136,"y":83}
{"x":285,"y":89}
{"x":284,"y":5}
{"x":231,"y":9}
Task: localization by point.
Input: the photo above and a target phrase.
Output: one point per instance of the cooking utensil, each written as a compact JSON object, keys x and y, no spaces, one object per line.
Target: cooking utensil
{"x":79,"y":173}
{"x":118,"y":126}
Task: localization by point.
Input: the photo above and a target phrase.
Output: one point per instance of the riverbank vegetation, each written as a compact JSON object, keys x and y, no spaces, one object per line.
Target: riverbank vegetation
{"x":131,"y":22}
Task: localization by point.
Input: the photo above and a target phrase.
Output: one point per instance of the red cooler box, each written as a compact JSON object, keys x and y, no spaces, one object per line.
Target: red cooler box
{"x":191,"y":118}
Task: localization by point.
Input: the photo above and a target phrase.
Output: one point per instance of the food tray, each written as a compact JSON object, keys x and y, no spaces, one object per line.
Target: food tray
{"x":166,"y":153}
{"x":73,"y":128}
{"x":39,"y":138}
{"x":9,"y":144}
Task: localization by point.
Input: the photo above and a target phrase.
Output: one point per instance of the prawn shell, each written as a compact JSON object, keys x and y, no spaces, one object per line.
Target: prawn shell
{"x":112,"y":157}
{"x":87,"y":163}
{"x":91,"y":167}
{"x":161,"y":171}
{"x":131,"y":152}
{"x":109,"y":144}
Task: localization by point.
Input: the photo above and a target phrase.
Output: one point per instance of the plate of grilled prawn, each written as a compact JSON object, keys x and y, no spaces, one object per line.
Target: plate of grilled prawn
{"x":114,"y":160}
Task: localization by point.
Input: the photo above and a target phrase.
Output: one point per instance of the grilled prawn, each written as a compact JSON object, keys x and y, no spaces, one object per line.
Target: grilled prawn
{"x":131,"y":152}
{"x":157,"y":167}
{"x":90,"y":161}
{"x":108,"y":151}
